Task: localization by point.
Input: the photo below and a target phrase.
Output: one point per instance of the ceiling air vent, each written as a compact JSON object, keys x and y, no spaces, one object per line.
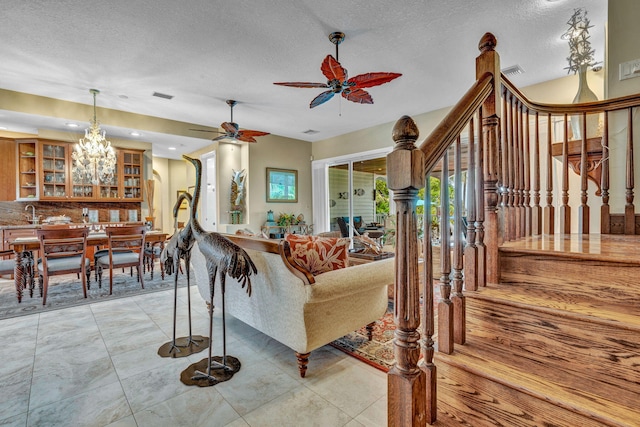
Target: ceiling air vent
{"x":162,"y":95}
{"x":514,"y":70}
{"x":311,"y":131}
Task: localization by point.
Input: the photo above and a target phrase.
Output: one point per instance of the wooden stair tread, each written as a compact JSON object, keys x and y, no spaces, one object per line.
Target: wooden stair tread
{"x":534,"y":298}
{"x":483,"y":361}
{"x":605,"y":247}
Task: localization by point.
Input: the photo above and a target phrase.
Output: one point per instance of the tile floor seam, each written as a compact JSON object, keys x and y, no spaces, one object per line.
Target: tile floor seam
{"x":33,"y":365}
{"x":93,"y":314}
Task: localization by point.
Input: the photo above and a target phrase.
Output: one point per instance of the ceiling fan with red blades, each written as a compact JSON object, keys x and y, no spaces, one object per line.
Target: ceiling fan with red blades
{"x":352,"y":88}
{"x":233,"y":131}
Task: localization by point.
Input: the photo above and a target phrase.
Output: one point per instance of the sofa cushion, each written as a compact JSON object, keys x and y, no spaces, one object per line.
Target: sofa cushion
{"x":319,"y":254}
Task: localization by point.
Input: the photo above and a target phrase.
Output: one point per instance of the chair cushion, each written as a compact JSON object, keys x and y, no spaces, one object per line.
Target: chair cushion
{"x":7,"y":266}
{"x":319,"y":254}
{"x":121,"y":258}
{"x":100,"y":253}
{"x":63,"y":264}
{"x":155,"y":249}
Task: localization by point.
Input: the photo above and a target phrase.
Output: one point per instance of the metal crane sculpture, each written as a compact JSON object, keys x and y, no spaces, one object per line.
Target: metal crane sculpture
{"x":179,"y":247}
{"x":223,"y":257}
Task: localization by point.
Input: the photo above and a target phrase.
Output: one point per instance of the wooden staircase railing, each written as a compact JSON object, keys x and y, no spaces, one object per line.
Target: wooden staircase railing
{"x":508,"y":160}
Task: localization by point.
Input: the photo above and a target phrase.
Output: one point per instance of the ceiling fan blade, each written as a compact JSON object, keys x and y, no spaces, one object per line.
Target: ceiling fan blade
{"x":373,"y":79}
{"x":359,"y":96}
{"x":224,"y":136}
{"x":246,"y":138}
{"x":332,"y":69}
{"x":251,"y":133}
{"x":302,"y":84}
{"x":230,"y":127}
{"x":204,"y":130}
{"x":322,"y":98}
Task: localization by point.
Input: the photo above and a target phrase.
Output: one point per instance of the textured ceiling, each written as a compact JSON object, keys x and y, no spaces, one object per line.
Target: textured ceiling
{"x":203,"y":52}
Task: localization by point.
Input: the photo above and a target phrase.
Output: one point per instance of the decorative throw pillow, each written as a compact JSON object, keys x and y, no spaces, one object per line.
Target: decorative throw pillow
{"x":319,"y":254}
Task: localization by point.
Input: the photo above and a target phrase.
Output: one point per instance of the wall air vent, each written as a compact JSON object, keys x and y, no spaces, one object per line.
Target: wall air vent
{"x":162,"y":95}
{"x":514,"y":70}
{"x":311,"y":131}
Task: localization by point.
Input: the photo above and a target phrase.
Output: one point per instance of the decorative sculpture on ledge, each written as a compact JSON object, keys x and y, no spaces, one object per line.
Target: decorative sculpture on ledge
{"x":237,"y":199}
{"x":223,"y":257}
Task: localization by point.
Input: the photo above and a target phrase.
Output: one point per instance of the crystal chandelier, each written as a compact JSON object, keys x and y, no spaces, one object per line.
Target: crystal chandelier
{"x":94,"y":158}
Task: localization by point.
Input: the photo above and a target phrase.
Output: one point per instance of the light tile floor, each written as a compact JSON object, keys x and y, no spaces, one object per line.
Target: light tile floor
{"x":97,"y":365}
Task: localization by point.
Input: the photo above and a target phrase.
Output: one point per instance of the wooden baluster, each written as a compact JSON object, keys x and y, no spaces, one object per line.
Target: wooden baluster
{"x":459,"y":303}
{"x":583,"y":210}
{"x":481,"y":247}
{"x":549,"y":209}
{"x":517,"y":154}
{"x":470,"y":250}
{"x":536,"y":212}
{"x":406,"y":382}
{"x":527,"y":178}
{"x":565,"y":209}
{"x":629,"y":208}
{"x":445,"y":306}
{"x":512,"y":175}
{"x":605,"y":212}
{"x":505,"y":166}
{"x":428,"y":322}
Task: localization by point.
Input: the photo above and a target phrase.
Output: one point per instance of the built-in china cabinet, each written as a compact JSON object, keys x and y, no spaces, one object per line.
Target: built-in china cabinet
{"x":45,"y":172}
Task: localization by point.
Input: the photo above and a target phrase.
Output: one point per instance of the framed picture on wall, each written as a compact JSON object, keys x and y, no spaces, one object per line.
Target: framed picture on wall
{"x":282,"y":185}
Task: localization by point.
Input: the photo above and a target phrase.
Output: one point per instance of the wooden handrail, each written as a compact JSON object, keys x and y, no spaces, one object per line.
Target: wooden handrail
{"x":613,"y":104}
{"x":450,"y":127}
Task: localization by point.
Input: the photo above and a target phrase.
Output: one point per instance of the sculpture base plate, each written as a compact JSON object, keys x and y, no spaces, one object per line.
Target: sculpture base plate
{"x":181,"y":349}
{"x":218,"y":372}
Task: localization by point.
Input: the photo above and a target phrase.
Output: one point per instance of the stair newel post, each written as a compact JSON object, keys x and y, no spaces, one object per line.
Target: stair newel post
{"x":445,"y":306}
{"x":406,"y":382}
{"x":605,"y":209}
{"x":489,"y":61}
{"x":458,"y":300}
{"x":536,"y":212}
{"x":471,"y":250}
{"x":565,"y":209}
{"x":629,"y":208}
{"x":549,"y":209}
{"x":428,"y":322}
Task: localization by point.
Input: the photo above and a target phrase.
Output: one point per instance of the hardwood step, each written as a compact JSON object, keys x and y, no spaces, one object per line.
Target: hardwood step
{"x":476,"y":386}
{"x":612,"y":281}
{"x":581,"y":351}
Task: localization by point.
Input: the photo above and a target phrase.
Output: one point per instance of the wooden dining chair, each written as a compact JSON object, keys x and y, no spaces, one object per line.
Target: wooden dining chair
{"x":126,"y":249}
{"x":62,"y":251}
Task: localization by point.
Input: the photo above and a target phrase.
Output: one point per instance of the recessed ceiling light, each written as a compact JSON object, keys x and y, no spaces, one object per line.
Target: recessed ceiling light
{"x":123,"y":97}
{"x":3,"y":128}
{"x":134,"y":133}
{"x":311,"y":131}
{"x":172,"y":148}
{"x":71,"y":125}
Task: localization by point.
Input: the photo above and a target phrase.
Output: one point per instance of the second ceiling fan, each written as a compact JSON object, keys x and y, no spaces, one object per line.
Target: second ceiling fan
{"x":233,"y":131}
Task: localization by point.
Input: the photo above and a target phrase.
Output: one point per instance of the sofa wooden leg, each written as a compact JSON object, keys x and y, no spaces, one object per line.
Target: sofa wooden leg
{"x":370,"y":330}
{"x":303,"y":360}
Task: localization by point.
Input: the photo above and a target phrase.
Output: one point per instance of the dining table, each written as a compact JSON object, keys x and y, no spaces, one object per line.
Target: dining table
{"x":22,"y":246}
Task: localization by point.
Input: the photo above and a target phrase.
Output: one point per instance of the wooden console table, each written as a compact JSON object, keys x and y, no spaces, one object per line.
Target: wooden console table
{"x":594,"y":158}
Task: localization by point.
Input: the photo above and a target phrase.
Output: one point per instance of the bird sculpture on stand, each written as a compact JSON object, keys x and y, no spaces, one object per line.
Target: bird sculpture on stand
{"x":179,"y":247}
{"x":223,"y":257}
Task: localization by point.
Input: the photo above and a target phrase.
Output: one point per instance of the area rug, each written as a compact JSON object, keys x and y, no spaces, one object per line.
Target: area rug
{"x":379,"y":351}
{"x":66,"y":291}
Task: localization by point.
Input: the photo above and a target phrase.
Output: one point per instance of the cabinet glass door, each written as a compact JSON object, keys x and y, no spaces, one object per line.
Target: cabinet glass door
{"x":132,"y":175}
{"x":54,"y":167}
{"x":27,"y":182}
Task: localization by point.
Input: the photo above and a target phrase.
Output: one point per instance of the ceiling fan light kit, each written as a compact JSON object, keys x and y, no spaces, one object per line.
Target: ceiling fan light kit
{"x":351,"y":89}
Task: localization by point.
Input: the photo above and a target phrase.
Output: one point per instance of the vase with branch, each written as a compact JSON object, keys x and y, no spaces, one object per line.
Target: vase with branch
{"x":581,"y":59}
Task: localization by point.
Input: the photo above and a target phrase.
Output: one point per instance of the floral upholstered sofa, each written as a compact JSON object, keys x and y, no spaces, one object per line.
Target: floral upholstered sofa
{"x":295,"y":307}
